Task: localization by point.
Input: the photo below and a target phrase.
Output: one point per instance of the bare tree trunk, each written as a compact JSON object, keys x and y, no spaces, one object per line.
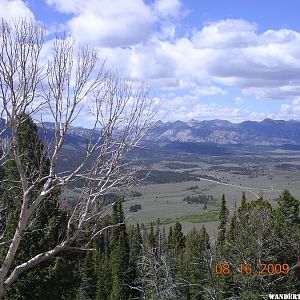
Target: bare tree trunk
{"x":72,"y":83}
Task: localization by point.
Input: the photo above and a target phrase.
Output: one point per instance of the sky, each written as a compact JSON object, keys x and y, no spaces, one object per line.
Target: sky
{"x":204,"y":59}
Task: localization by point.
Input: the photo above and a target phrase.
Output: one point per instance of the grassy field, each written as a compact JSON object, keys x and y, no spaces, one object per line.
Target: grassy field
{"x":258,"y":171}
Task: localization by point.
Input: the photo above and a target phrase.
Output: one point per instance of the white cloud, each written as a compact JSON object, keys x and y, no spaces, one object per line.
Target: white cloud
{"x":14,"y":9}
{"x":140,"y":40}
{"x":208,"y":91}
{"x":265,"y":65}
{"x":74,"y":6}
{"x":225,"y":34}
{"x":291,"y":110}
{"x":122,"y":23}
{"x":168,"y":8}
{"x":188,"y":108}
{"x":232,"y":53}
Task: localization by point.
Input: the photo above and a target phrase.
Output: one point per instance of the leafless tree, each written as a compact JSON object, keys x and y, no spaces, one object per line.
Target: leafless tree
{"x":70,"y":84}
{"x":156,"y":280}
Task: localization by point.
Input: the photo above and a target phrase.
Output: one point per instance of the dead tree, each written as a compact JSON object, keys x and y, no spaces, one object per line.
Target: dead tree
{"x":71,"y":84}
{"x":156,"y":278}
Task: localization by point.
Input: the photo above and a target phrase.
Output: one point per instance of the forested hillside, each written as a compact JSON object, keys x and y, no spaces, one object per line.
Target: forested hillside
{"x":255,"y":252}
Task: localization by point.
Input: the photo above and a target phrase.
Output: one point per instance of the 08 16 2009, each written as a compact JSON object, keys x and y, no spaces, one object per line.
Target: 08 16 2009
{"x":248,"y":269}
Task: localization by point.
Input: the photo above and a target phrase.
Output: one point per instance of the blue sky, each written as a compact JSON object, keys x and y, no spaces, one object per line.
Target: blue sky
{"x":268,"y":14}
{"x":232,"y":59}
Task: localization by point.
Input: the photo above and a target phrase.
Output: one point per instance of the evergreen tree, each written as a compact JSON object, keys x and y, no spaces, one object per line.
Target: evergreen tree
{"x":152,"y":237}
{"x":104,"y":278}
{"x":178,"y":238}
{"x":196,"y":244}
{"x":223,"y":219}
{"x":119,"y":259}
{"x":45,"y":227}
{"x":232,"y":228}
{"x":170,"y":239}
{"x":244,"y":199}
{"x":248,"y":242}
{"x":96,"y":279}
{"x":286,"y":239}
{"x":87,"y":289}
{"x":135,"y":246}
{"x":289,"y":207}
{"x":176,"y":246}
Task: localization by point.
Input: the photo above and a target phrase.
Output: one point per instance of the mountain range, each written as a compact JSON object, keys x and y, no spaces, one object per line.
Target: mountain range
{"x":266,"y":132}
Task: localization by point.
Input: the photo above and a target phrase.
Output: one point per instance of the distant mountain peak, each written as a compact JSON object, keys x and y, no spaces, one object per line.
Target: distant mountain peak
{"x":266,"y":132}
{"x":225,"y":132}
{"x":159,"y":123}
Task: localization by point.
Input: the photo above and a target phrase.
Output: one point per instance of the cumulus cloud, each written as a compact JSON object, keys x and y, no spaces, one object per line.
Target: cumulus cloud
{"x":292,"y":110}
{"x":14,"y":9}
{"x":208,"y":91}
{"x":74,"y":6}
{"x":140,"y":39}
{"x":230,"y":52}
{"x":122,"y":23}
{"x":266,"y":65}
{"x":225,"y":34}
{"x":125,"y":23}
{"x":168,"y":8}
{"x":188,"y":108}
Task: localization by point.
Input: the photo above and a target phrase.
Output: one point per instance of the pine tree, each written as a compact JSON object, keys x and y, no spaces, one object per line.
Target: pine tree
{"x":178,"y":238}
{"x":87,"y":289}
{"x":176,"y":246}
{"x":285,"y":235}
{"x":249,"y":242}
{"x":232,"y":228}
{"x":196,"y":244}
{"x":170,"y":239}
{"x":45,"y":227}
{"x":102,"y":261}
{"x":119,"y":259}
{"x":152,"y":237}
{"x":223,"y":219}
{"x":244,"y":199}
{"x":289,"y":206}
{"x":104,"y":278}
{"x":156,"y":276}
{"x":135,"y":246}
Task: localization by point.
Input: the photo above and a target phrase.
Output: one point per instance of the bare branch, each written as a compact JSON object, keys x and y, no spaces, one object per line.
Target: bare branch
{"x":70,"y":86}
